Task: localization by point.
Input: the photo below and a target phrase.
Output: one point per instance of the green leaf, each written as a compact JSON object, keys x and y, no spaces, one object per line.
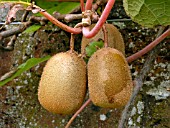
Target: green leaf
{"x":148,"y":13}
{"x":44,"y":4}
{"x":32,"y":28}
{"x":61,"y":7}
{"x":66,"y":7}
{"x":49,"y":6}
{"x":92,"y":47}
{"x":16,"y":0}
{"x":24,"y":67}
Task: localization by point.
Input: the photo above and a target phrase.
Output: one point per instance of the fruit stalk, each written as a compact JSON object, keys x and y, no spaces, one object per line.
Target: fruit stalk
{"x":89,"y":34}
{"x":105,"y":33}
{"x":72,"y":43}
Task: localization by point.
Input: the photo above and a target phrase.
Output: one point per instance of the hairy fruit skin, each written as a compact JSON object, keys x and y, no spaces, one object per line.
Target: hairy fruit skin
{"x":109,"y":78}
{"x":62,"y":86}
{"x":115,"y":39}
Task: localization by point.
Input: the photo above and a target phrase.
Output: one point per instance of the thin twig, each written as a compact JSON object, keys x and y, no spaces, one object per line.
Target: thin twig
{"x":49,"y":17}
{"x":22,"y":27}
{"x":67,"y":17}
{"x":138,"y":84}
{"x":148,"y":47}
{"x":40,"y":20}
{"x":14,"y":31}
{"x":75,"y":115}
{"x":139,"y":81}
{"x":119,"y":20}
{"x":24,"y":16}
{"x":10,"y":45}
{"x":60,"y":24}
{"x":8,"y":74}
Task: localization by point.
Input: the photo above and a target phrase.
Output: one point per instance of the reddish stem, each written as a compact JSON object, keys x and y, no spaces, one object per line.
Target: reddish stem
{"x":148,"y":47}
{"x":89,"y":34}
{"x":75,"y":115}
{"x":88,"y":4}
{"x":82,"y":5}
{"x":105,"y":33}
{"x":60,"y":24}
{"x":129,"y":59}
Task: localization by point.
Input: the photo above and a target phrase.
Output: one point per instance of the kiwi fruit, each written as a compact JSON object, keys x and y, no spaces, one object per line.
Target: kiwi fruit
{"x":115,"y":39}
{"x":62,"y":86}
{"x":109,"y":79}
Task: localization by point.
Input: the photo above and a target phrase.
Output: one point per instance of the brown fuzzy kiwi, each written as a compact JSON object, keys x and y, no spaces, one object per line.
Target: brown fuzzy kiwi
{"x":62,"y":86}
{"x":115,"y":39}
{"x":109,"y":78}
